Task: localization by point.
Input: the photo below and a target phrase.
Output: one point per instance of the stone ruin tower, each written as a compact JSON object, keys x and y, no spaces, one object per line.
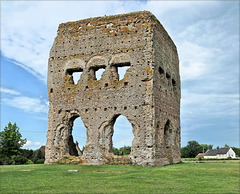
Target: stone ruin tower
{"x":148,"y":95}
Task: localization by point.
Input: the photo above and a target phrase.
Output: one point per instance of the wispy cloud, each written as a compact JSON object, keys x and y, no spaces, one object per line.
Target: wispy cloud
{"x":27,"y":104}
{"x":9,"y":91}
{"x":30,"y":105}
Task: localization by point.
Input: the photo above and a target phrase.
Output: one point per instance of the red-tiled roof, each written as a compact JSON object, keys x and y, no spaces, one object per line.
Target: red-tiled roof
{"x":200,"y":155}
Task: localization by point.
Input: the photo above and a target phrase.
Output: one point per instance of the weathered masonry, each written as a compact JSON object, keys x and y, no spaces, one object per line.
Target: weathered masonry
{"x":148,"y":95}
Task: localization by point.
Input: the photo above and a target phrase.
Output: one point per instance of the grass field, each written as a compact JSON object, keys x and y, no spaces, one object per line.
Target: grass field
{"x":187,"y":177}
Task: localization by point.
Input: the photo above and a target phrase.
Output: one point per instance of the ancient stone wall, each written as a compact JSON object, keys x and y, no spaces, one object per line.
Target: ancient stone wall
{"x":148,"y":95}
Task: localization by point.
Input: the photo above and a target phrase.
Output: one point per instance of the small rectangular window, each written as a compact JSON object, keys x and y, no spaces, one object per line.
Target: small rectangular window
{"x":75,"y":73}
{"x":98,"y":72}
{"x":121,"y":69}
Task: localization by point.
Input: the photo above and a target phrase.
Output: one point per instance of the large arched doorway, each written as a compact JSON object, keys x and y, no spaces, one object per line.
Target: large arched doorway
{"x":78,"y":136}
{"x":122,"y":136}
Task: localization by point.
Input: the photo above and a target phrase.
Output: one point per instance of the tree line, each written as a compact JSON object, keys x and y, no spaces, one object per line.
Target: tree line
{"x":11,"y":142}
{"x":192,"y":149}
{"x":11,"y":152}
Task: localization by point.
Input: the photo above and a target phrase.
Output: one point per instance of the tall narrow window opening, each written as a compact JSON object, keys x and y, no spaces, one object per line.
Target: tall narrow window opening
{"x":162,"y":75}
{"x":174,"y":83}
{"x":174,"y":86}
{"x":167,"y":134}
{"x":168,"y":76}
{"x":168,"y":79}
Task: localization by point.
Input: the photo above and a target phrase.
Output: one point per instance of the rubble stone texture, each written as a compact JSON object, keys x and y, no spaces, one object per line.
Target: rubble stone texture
{"x":148,"y":95}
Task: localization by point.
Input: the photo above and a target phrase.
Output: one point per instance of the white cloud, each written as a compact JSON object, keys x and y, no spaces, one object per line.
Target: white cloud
{"x":28,"y":29}
{"x":208,"y":105}
{"x":28,"y":33}
{"x":194,"y":60}
{"x":208,"y":43}
{"x":9,"y":91}
{"x":32,"y":145}
{"x":27,"y":104}
{"x":162,"y":7}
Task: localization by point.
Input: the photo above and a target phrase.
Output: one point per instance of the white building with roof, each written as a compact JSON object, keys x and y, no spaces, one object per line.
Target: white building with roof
{"x":220,"y":153}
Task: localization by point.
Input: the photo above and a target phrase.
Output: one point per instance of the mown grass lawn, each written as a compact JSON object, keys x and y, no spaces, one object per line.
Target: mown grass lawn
{"x":187,"y":177}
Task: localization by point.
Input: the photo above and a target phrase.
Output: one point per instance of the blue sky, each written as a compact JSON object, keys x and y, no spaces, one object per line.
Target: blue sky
{"x":206,"y":34}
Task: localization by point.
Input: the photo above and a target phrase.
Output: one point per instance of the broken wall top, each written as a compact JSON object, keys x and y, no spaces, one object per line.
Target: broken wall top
{"x":122,"y":24}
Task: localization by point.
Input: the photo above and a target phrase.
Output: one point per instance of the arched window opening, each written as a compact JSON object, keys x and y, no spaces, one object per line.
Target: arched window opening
{"x":79,"y":137}
{"x":122,"y":136}
{"x":121,"y":69}
{"x":75,"y":73}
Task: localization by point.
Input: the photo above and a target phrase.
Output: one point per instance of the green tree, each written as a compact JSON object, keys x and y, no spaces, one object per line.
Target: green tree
{"x":11,"y":140}
{"x":19,"y":159}
{"x":191,"y":150}
{"x":125,"y":150}
{"x":226,"y":146}
{"x":206,"y":147}
{"x":184,"y":153}
{"x":27,"y":153}
{"x":115,"y":151}
{"x":38,"y":156}
{"x":236,"y":150}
